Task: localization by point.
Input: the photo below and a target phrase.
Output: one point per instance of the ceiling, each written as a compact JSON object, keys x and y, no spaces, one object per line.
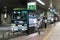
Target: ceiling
{"x":21,"y":3}
{"x":12,"y":3}
{"x":56,"y":4}
{"x":47,"y":2}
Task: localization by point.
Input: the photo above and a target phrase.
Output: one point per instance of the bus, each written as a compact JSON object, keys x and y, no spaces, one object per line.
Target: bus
{"x":19,"y":19}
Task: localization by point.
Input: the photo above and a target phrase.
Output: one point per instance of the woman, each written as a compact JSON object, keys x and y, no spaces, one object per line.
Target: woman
{"x":45,"y":21}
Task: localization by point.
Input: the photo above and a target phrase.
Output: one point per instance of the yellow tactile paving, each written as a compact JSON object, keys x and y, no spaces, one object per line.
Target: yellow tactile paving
{"x":46,"y":38}
{"x":54,"y":34}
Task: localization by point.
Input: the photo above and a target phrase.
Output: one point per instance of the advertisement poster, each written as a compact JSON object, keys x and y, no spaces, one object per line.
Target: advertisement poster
{"x":32,"y":20}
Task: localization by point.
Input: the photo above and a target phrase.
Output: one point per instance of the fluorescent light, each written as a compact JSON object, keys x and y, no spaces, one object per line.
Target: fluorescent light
{"x":41,"y":2}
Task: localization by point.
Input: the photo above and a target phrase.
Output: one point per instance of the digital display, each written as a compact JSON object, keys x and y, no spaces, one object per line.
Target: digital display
{"x":24,"y":11}
{"x":18,"y":21}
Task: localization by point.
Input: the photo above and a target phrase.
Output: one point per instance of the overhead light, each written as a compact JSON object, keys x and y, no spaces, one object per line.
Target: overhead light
{"x":14,"y":11}
{"x":48,"y":8}
{"x":41,"y":2}
{"x":51,"y":10}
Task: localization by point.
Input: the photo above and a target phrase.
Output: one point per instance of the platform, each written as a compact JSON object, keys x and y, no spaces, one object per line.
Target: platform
{"x":49,"y":34}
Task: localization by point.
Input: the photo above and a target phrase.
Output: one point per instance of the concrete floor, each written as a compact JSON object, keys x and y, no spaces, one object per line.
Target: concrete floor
{"x":56,"y":33}
{"x":51,"y":33}
{"x":35,"y":36}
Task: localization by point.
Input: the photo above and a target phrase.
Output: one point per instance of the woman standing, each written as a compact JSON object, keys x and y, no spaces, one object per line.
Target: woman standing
{"x":45,"y":21}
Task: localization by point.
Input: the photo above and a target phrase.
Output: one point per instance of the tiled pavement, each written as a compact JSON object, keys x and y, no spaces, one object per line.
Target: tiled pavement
{"x":35,"y":36}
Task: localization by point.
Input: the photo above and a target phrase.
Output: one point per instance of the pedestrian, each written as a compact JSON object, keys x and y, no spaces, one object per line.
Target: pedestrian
{"x":38,"y":26}
{"x":39,"y":31}
{"x":45,"y":21}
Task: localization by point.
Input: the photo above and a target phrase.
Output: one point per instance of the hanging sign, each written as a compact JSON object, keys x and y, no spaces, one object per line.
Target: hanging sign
{"x":31,"y":6}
